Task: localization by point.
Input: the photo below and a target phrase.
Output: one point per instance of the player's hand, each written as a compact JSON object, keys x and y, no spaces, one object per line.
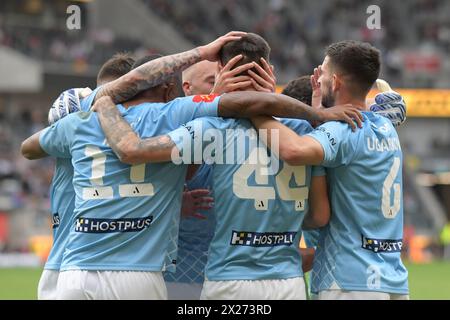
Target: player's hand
{"x":316,"y":99}
{"x":102,"y":104}
{"x":67,"y":102}
{"x":391,"y":105}
{"x":383,"y":85}
{"x":211,"y":50}
{"x":227,"y":79}
{"x":345,"y":113}
{"x":265,"y":80}
{"x":85,"y":92}
{"x":196,"y":200}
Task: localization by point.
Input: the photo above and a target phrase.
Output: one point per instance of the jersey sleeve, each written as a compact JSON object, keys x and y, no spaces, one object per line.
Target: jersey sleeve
{"x":86,"y":103}
{"x":318,"y":171}
{"x":56,"y":139}
{"x":336,"y":141}
{"x":193,"y":107}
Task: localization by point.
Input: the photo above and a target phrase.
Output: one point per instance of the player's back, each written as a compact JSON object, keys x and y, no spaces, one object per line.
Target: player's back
{"x":258,"y":214}
{"x":126,"y":217}
{"x":360,"y":248}
{"x":123,"y":213}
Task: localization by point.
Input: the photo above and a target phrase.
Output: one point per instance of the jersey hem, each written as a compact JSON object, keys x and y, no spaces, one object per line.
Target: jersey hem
{"x":274,"y":277}
{"x":112,"y":268}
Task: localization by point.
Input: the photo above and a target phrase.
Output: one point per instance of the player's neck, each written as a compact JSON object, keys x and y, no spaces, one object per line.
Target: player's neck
{"x":357,"y":102}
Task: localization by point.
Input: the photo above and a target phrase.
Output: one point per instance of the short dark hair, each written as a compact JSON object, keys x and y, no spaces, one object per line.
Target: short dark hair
{"x":253,"y":47}
{"x":358,"y":60}
{"x":117,"y":66}
{"x":299,"y":89}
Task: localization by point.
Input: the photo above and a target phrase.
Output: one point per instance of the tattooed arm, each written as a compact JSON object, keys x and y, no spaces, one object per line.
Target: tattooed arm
{"x":128,"y":147}
{"x":131,"y":149}
{"x":157,"y":71}
{"x":251,"y":103}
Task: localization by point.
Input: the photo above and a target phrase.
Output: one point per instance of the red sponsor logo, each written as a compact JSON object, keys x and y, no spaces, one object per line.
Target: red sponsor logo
{"x":205,"y":97}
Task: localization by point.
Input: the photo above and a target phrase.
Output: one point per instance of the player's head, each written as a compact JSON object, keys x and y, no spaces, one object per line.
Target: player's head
{"x":251,"y":46}
{"x":199,"y":78}
{"x":299,"y":89}
{"x":168,"y":90}
{"x":349,"y":68}
{"x":118,"y":65}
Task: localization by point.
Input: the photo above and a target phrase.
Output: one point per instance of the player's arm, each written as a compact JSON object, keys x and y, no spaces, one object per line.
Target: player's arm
{"x":31,"y":148}
{"x":251,"y":104}
{"x":307,"y":258}
{"x":318,"y":213}
{"x":126,"y":144}
{"x":292,"y":148}
{"x":131,"y":149}
{"x":52,"y":141}
{"x":157,"y":71}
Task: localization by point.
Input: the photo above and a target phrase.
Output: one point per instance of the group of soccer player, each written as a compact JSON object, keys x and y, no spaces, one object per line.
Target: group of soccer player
{"x":137,"y":214}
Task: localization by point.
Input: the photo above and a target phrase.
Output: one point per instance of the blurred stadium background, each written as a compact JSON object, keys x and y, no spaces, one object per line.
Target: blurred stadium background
{"x":40,"y":57}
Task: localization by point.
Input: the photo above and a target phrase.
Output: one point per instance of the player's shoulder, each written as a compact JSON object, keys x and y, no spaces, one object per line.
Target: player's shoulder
{"x":298,"y":125}
{"x":379,"y":124}
{"x":335,"y":128}
{"x":75,"y":118}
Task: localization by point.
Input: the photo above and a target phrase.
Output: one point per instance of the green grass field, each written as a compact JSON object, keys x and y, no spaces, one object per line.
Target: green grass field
{"x":427,"y":281}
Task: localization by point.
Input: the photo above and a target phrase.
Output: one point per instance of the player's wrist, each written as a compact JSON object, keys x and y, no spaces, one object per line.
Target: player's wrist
{"x":203,"y":52}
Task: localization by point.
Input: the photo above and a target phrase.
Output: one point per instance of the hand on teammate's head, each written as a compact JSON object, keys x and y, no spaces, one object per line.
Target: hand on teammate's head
{"x":211,"y":50}
{"x":229,"y":79}
{"x":264,"y":80}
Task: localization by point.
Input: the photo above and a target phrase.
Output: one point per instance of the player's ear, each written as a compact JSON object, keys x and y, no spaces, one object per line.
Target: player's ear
{"x":187,"y":88}
{"x":336,"y":82}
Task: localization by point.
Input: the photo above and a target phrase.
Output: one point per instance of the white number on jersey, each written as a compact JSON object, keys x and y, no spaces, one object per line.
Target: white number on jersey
{"x":98,"y":191}
{"x":299,"y":194}
{"x":242,"y":190}
{"x":262,"y":194}
{"x":389,"y":212}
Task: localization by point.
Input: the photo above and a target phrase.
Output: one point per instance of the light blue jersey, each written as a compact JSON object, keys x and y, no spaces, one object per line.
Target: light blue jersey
{"x":258,"y":215}
{"x":311,"y":237}
{"x":360,"y":248}
{"x":62,"y":194}
{"x":195,"y":235}
{"x":126,"y":217}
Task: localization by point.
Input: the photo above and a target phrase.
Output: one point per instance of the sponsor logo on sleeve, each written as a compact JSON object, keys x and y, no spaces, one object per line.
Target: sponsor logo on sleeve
{"x":205,"y":97}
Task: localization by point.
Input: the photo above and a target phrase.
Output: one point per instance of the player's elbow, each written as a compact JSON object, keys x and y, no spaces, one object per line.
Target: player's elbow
{"x":128,"y":154}
{"x":27,"y":151}
{"x":321,"y":220}
{"x":317,"y":217}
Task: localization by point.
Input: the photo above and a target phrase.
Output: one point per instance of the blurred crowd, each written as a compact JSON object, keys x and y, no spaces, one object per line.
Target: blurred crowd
{"x":414,"y":36}
{"x":37,"y":28}
{"x":22,"y":183}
